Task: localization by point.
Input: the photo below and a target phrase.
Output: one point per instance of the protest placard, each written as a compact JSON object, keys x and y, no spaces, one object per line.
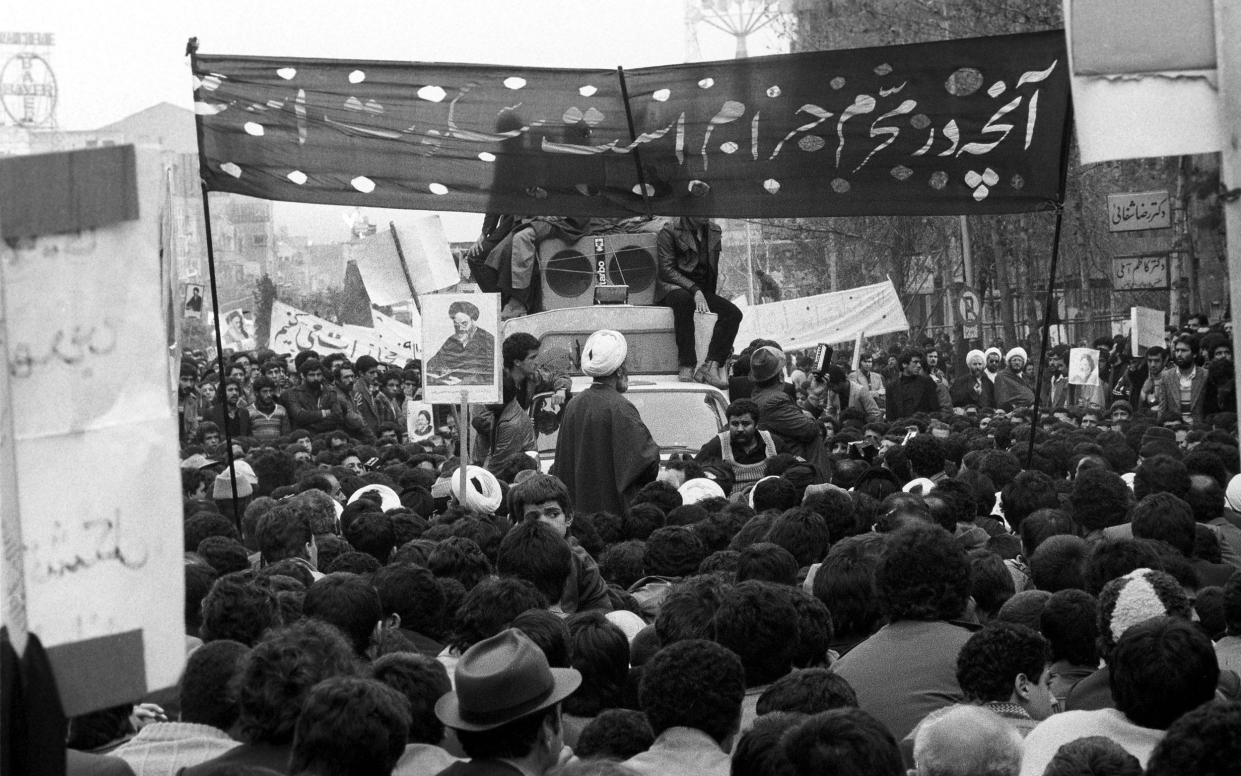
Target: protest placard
{"x":1145,"y":329}
{"x":1083,"y":366}
{"x":428,"y":267}
{"x":92,"y":502}
{"x":458,"y":335}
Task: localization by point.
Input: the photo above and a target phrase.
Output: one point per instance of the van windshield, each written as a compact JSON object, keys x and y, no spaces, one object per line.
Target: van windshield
{"x":677,"y":419}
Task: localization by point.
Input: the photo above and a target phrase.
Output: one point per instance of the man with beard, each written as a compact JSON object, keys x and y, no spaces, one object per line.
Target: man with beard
{"x":314,"y":405}
{"x":231,"y":411}
{"x":911,"y":391}
{"x":506,"y":428}
{"x":995,"y":359}
{"x":1055,"y":393}
{"x":268,"y":420}
{"x":1182,"y":386}
{"x":371,"y":403}
{"x":743,"y":448}
{"x":604,"y":452}
{"x":1011,"y":388}
{"x":973,"y":388}
{"x":938,"y":377}
{"x":187,"y":402}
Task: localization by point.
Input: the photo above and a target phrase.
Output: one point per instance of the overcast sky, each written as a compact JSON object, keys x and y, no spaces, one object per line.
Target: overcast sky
{"x":114,"y":59}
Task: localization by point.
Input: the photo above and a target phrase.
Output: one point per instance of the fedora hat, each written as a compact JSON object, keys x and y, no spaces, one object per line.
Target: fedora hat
{"x":501,"y":679}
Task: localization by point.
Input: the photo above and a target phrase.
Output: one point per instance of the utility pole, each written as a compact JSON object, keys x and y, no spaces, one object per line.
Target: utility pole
{"x":1228,"y":59}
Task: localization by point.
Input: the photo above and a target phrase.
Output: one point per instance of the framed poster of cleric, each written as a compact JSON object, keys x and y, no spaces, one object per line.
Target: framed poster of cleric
{"x":460,"y":334}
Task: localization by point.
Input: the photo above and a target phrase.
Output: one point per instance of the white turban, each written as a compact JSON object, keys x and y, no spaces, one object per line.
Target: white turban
{"x":699,"y":489}
{"x":1016,"y":352}
{"x":387,"y":496}
{"x":975,"y":355}
{"x":482,"y":490}
{"x":990,"y":350}
{"x":604,"y":352}
{"x":920,"y":486}
{"x":1232,"y":496}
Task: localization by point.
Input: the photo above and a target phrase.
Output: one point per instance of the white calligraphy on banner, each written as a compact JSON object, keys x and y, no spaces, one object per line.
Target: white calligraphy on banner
{"x":293,"y":330}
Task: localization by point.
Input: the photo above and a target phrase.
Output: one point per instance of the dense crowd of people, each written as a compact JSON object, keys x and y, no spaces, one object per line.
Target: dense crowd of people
{"x":863,"y":573}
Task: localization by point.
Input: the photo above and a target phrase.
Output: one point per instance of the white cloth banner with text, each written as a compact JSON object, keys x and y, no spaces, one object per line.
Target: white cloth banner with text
{"x":293,"y":330}
{"x":838,"y":316}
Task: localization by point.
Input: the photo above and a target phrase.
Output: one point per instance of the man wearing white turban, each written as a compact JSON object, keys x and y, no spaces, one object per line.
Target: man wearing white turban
{"x":973,"y":388}
{"x":1012,"y":390}
{"x":604,"y":452}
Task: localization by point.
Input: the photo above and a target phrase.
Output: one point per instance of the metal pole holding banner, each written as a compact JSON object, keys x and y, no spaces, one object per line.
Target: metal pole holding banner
{"x":1042,"y":351}
{"x":1051,"y":286}
{"x":633,"y":136}
{"x":463,"y":436}
{"x":1228,"y":64}
{"x":191,"y":48}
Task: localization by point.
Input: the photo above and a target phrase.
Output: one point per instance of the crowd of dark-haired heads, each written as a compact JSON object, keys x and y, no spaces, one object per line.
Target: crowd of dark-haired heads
{"x":961,"y":602}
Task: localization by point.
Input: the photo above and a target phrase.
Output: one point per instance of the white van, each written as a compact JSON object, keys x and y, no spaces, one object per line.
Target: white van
{"x":681,"y":416}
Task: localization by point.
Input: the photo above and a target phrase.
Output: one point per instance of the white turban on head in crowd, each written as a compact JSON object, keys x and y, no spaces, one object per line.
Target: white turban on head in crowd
{"x":604,"y":352}
{"x":1016,"y":352}
{"x":975,"y":355}
{"x":482,"y":490}
{"x":387,"y":495}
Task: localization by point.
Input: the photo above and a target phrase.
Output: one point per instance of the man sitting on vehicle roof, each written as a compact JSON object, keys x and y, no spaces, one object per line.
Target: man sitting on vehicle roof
{"x":689,"y":261}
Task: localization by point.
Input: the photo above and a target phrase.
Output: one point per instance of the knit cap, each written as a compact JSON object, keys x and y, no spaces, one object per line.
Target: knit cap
{"x":1138,"y":596}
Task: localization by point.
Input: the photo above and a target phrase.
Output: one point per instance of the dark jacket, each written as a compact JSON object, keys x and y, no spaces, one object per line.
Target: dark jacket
{"x":238,"y":425}
{"x":374,"y":409}
{"x":963,"y":392}
{"x":306,"y":408}
{"x":1012,"y":391}
{"x":908,"y":394}
{"x":679,"y":254}
{"x":801,"y":434}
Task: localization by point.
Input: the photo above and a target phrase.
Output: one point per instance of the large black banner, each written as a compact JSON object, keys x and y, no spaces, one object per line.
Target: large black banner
{"x":965,"y":126}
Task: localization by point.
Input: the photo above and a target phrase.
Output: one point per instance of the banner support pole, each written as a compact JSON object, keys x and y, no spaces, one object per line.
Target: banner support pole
{"x":463,"y":435}
{"x":191,"y":48}
{"x":633,"y":136}
{"x":1051,"y":283}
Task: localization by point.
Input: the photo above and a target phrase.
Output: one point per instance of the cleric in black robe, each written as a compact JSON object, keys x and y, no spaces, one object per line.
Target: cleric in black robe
{"x":604,"y":453}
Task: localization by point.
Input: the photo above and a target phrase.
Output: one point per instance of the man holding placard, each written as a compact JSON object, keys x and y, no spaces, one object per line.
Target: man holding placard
{"x":506,"y":428}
